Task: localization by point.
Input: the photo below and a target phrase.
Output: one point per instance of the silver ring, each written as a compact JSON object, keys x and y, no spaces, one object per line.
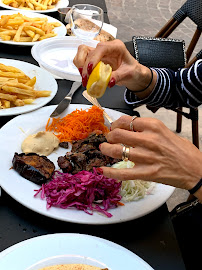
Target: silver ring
{"x":125,"y":153}
{"x":131,"y":123}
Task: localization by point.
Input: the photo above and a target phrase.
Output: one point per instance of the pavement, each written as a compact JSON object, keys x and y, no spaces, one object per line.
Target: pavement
{"x":145,"y":18}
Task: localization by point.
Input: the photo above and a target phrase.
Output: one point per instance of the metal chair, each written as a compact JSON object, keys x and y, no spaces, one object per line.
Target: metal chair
{"x":193,"y":10}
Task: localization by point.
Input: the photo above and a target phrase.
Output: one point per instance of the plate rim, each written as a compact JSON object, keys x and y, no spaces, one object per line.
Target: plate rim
{"x":97,"y":239}
{"x":60,"y":5}
{"x":10,"y":113}
{"x":35,"y":55}
{"x":25,"y":12}
{"x":64,"y":218}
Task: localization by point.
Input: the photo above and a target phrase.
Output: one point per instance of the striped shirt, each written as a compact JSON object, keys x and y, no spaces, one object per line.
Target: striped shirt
{"x":182,"y":88}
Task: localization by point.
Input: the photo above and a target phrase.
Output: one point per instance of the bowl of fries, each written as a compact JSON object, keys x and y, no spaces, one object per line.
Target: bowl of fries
{"x":41,"y":6}
{"x":26,"y":28}
{"x":24,"y":87}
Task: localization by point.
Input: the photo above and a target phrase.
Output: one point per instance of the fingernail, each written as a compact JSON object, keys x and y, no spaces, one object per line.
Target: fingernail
{"x":84,"y":80}
{"x":99,"y":170}
{"x":100,"y":146}
{"x":112,"y":82}
{"x":110,"y":129}
{"x":80,"y":70}
{"x":90,"y":68}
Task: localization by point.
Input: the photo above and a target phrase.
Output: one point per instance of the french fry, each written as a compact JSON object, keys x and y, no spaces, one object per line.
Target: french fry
{"x":8,"y":97}
{"x":20,"y":28}
{"x":42,"y":93}
{"x":16,"y":88}
{"x":31,"y":82}
{"x":31,"y":4}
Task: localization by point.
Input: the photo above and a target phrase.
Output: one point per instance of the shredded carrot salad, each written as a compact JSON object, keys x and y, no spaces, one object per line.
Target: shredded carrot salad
{"x":78,"y":124}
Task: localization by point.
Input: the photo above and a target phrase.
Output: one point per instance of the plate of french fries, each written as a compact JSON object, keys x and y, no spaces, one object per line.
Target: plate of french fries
{"x":41,"y":6}
{"x":27,"y":28}
{"x":24,"y":87}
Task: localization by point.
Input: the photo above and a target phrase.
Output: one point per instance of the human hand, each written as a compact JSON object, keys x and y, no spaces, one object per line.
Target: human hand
{"x":126,"y":70}
{"x":159,"y":155}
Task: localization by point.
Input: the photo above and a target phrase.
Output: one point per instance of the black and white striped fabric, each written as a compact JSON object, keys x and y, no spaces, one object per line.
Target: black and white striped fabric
{"x":182,"y":88}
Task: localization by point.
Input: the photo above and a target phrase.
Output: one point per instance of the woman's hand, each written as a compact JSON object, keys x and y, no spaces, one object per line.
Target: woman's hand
{"x":159,"y":155}
{"x":126,"y":70}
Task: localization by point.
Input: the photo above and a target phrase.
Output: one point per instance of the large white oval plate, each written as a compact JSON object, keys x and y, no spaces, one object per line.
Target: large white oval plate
{"x":57,"y":56}
{"x":60,"y":4}
{"x":22,"y":190}
{"x":29,"y":252}
{"x":44,"y":81}
{"x":60,"y":31}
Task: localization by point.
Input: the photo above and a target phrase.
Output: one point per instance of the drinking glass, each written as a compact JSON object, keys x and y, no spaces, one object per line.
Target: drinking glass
{"x":86,"y":21}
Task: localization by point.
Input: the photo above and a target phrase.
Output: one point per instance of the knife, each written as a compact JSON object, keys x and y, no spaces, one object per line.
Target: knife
{"x":66,"y":101}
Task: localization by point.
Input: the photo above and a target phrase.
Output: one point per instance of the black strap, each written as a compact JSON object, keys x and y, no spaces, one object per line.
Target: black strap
{"x":196,"y":187}
{"x":148,"y":84}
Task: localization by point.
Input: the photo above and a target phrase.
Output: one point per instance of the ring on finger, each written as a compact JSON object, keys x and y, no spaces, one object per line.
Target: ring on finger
{"x":125,"y":153}
{"x":131,"y":123}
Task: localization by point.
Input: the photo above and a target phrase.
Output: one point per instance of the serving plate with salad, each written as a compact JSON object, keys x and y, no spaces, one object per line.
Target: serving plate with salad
{"x":23,"y":191}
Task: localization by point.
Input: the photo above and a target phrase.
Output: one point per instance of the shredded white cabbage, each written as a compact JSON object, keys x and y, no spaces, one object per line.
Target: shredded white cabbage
{"x":133,"y":190}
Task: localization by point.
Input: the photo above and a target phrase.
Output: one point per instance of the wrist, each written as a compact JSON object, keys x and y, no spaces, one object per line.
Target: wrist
{"x":145,"y":81}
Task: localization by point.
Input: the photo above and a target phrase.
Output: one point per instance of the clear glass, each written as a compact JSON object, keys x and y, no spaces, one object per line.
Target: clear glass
{"x":86,"y":21}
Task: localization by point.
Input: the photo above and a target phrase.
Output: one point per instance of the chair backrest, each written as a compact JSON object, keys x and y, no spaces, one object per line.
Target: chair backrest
{"x":160,"y":52}
{"x":191,"y":9}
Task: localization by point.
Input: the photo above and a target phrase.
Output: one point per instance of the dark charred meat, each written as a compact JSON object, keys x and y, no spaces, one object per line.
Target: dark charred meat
{"x":64,"y":145}
{"x":85,"y":155}
{"x":33,"y":167}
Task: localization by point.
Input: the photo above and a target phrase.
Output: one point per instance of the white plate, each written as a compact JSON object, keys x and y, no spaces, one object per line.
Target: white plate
{"x":22,"y":190}
{"x":44,"y":81}
{"x":60,"y":31}
{"x":90,"y":248}
{"x":60,"y":4}
{"x":57,"y":56}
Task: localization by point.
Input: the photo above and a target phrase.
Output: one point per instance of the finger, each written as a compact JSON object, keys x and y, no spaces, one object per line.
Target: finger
{"x":123,"y":122}
{"x":112,"y":150}
{"x":95,"y":57}
{"x":82,"y":53}
{"x":122,"y":136}
{"x":138,"y":124}
{"x":139,"y":155}
{"x":135,"y":173}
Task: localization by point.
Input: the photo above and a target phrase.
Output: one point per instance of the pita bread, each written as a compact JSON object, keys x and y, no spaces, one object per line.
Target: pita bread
{"x":72,"y":267}
{"x":85,"y":24}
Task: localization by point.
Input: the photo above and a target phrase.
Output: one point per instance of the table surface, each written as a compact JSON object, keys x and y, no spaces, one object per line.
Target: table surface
{"x":155,"y":241}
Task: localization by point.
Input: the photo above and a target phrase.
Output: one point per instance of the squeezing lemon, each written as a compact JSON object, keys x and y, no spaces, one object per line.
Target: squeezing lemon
{"x":98,"y":80}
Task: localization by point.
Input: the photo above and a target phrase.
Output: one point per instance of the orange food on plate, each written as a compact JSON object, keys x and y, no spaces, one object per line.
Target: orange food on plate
{"x":78,"y":124}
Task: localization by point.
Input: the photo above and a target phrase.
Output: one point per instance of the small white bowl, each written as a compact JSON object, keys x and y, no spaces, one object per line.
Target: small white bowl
{"x":66,"y":259}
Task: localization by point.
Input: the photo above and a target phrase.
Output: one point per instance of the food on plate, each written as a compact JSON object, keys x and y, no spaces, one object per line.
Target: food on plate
{"x":87,"y":191}
{"x":16,"y":88}
{"x":87,"y":25}
{"x":133,"y":190}
{"x":78,"y":124}
{"x":98,"y":80}
{"x":20,"y":28}
{"x":42,"y":143}
{"x":31,"y":4}
{"x":37,"y":169}
{"x":72,"y":267}
{"x":85,"y":155}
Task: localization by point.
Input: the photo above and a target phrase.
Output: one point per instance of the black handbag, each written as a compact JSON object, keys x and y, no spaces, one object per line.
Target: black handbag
{"x":159,"y":52}
{"x":187,"y":221}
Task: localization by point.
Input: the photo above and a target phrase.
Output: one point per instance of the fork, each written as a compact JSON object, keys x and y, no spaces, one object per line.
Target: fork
{"x":96,"y":103}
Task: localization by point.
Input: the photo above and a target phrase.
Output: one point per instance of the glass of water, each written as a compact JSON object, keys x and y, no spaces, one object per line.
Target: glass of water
{"x":86,"y":21}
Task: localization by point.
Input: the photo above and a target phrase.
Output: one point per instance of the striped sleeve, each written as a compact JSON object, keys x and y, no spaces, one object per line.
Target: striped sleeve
{"x":182,"y":88}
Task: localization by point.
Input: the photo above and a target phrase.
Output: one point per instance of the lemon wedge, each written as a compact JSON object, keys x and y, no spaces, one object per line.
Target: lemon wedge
{"x":98,"y":80}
